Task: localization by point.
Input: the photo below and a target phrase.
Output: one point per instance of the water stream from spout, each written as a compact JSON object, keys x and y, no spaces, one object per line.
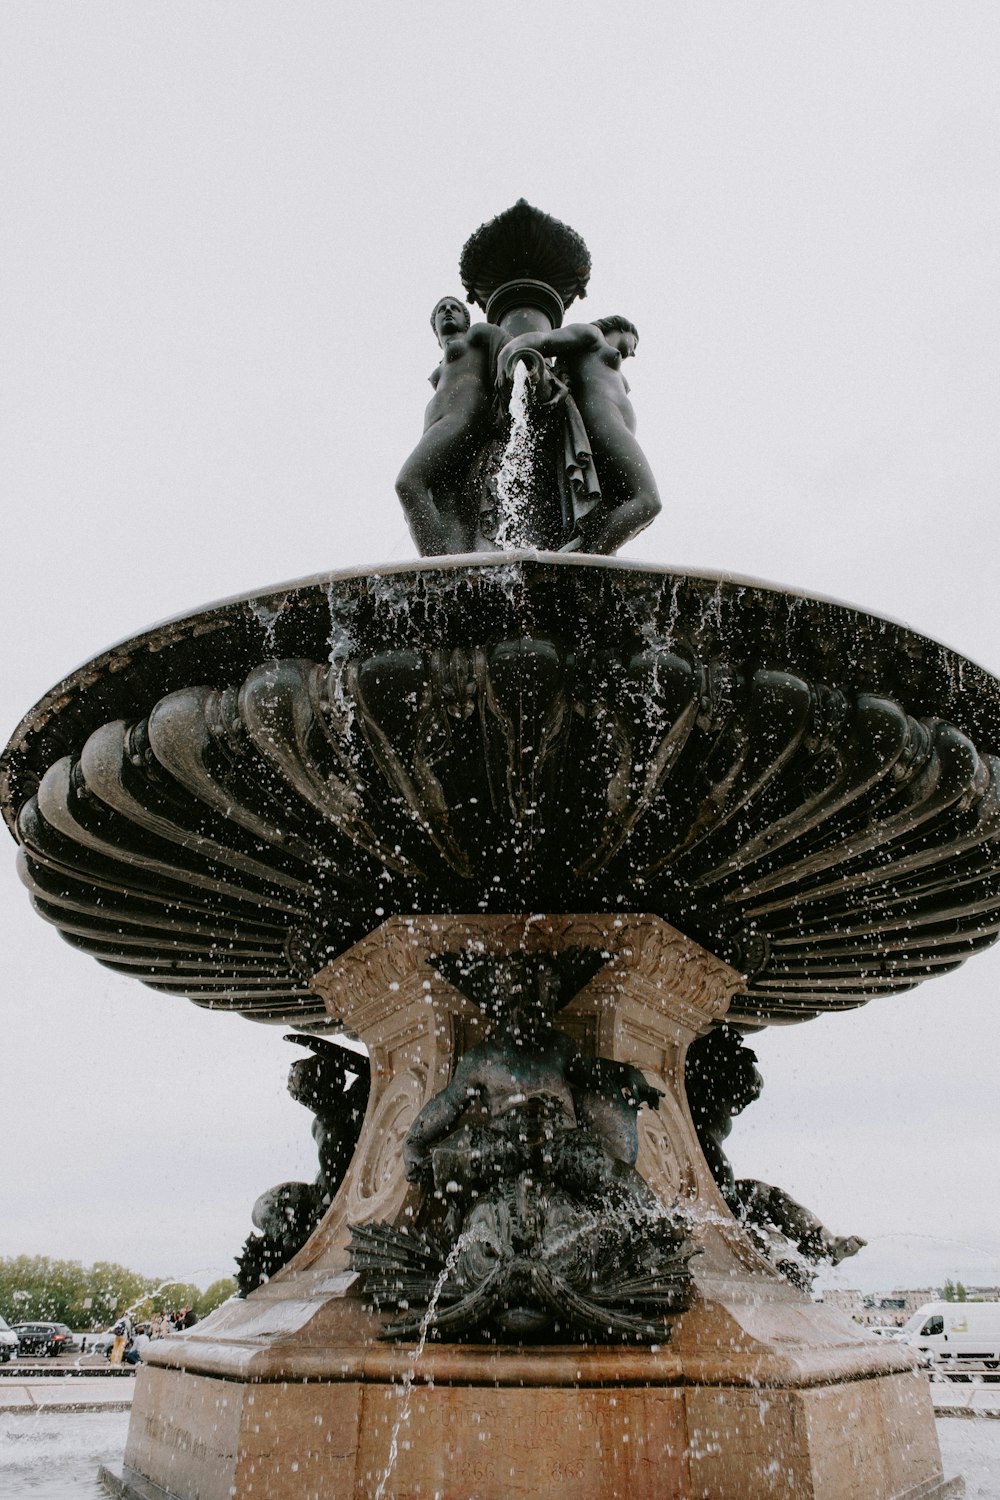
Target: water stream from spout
{"x":466,"y":1238}
{"x":516,"y":471}
{"x":268,"y":616}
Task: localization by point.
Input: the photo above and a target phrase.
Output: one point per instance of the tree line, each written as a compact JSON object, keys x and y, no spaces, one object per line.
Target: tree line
{"x":37,"y":1289}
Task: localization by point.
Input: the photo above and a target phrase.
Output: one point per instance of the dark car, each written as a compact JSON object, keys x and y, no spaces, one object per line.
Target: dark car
{"x":45,"y":1338}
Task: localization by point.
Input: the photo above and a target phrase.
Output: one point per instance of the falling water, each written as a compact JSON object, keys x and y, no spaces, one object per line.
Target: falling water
{"x":711,"y":611}
{"x":342,"y":646}
{"x":393,"y":600}
{"x":342,"y":607}
{"x":46,"y":1455}
{"x":268,"y":615}
{"x":516,"y":472}
{"x":672,"y":629}
{"x":466,"y":1238}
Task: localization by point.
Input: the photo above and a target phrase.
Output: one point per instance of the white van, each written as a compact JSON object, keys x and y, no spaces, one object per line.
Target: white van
{"x":957,"y":1336}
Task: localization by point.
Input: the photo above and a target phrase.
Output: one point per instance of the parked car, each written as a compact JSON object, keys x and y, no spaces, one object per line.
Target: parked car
{"x":45,"y":1338}
{"x":8,"y":1343}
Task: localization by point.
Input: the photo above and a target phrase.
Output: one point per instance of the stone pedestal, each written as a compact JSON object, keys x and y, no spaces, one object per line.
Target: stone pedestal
{"x":291,"y":1395}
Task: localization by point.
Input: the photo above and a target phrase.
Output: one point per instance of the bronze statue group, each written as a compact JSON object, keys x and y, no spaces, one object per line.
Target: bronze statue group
{"x":599,"y":488}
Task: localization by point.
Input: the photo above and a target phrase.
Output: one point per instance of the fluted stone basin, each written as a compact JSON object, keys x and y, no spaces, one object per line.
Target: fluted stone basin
{"x":221,"y":806}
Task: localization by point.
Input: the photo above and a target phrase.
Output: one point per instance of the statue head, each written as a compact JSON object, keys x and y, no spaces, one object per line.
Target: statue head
{"x":454,"y":316}
{"x":287,"y":1213}
{"x":721,"y":1075}
{"x":618,"y":324}
{"x":527,"y":990}
{"x":318,"y":1080}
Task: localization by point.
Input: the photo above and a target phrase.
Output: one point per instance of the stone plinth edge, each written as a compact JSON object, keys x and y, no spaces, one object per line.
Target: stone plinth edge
{"x":209,"y":1439}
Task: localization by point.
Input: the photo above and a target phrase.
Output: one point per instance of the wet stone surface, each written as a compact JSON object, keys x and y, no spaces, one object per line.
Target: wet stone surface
{"x":57,"y":1457}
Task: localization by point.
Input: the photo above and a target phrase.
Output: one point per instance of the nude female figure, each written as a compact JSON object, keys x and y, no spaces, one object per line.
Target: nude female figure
{"x":455,"y":425}
{"x":592,"y":355}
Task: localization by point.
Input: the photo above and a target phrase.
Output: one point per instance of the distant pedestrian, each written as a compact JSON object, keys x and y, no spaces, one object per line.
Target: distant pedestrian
{"x":136,"y":1352}
{"x":123,"y":1331}
{"x":160,"y":1326}
{"x":188,"y":1317}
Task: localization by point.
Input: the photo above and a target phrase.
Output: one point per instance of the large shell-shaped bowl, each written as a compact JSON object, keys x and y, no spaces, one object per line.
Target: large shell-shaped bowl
{"x":222,"y":805}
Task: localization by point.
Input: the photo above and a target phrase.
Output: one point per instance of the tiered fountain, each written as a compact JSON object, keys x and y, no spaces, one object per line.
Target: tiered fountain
{"x":528,"y":824}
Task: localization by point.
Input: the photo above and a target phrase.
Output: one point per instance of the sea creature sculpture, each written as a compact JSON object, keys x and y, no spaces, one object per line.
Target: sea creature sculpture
{"x":721,"y":1078}
{"x":334,"y":1084}
{"x":542,"y":1221}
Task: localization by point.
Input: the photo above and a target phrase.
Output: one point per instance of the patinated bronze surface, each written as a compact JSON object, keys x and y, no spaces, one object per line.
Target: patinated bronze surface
{"x":809,"y":791}
{"x":333,"y":1083}
{"x":431,"y":485}
{"x":534,"y":1218}
{"x":526,"y":253}
{"x":625,"y":499}
{"x":721,"y":1080}
{"x":588,"y":486}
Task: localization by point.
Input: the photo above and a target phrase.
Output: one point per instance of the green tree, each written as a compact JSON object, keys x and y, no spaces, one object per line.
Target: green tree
{"x":949,"y":1291}
{"x":170,"y":1296}
{"x":114,"y":1289}
{"x":961,"y":1295}
{"x":38,"y":1288}
{"x":213,"y":1296}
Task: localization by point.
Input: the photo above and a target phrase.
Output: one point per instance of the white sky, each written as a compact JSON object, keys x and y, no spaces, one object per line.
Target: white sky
{"x":222,"y":229}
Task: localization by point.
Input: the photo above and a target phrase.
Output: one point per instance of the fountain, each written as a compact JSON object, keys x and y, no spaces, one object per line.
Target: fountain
{"x":530,"y":824}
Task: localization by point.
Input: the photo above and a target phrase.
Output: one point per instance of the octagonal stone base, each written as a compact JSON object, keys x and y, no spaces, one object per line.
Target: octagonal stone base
{"x":290,"y":1395}
{"x":849,"y":1440}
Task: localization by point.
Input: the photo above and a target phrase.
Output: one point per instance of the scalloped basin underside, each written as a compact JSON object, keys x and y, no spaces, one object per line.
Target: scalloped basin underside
{"x":221,"y":806}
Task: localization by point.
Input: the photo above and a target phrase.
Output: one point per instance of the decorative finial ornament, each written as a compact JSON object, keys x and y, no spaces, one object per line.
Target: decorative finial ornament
{"x":526,"y":246}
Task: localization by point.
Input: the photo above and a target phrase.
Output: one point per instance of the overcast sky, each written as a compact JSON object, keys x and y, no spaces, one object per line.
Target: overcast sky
{"x":222,"y":230}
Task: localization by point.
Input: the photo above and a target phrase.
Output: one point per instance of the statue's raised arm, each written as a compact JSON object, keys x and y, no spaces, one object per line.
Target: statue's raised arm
{"x":590,"y":355}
